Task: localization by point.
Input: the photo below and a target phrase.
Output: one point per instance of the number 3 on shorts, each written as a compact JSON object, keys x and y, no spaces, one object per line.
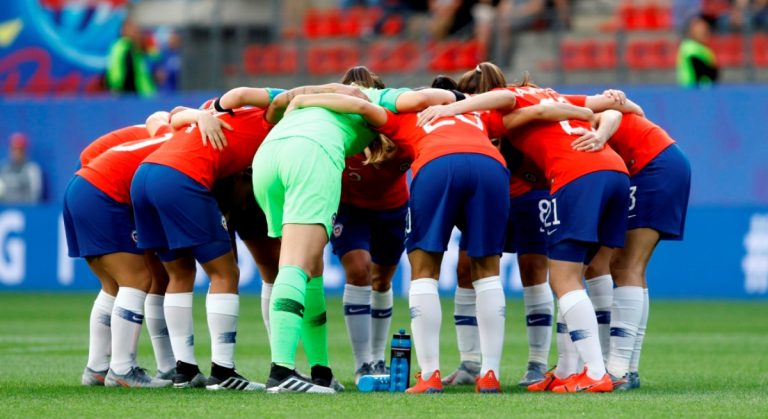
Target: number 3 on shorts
{"x":632,"y":199}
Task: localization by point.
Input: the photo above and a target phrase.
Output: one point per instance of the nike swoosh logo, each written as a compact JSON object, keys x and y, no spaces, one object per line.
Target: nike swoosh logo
{"x":549,"y":233}
{"x":536,"y":322}
{"x":580,"y":388}
{"x":632,"y":216}
{"x":357,"y":310}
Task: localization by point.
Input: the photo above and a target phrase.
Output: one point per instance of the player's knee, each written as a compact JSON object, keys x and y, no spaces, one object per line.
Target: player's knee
{"x":358,"y":272}
{"x":533,"y":271}
{"x":381,"y":281}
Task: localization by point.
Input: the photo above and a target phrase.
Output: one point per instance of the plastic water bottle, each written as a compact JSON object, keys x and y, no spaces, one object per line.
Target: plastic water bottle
{"x":369,"y":383}
{"x":400,"y":365}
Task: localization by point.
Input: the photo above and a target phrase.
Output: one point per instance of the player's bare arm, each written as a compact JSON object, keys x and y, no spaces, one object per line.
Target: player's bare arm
{"x":502,"y":100}
{"x":594,"y":140}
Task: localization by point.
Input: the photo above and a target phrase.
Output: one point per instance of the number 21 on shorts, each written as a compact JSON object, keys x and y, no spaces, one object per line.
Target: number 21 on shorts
{"x":548,"y":215}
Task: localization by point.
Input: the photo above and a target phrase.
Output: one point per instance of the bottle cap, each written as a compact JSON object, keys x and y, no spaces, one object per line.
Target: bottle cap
{"x":402,"y":331}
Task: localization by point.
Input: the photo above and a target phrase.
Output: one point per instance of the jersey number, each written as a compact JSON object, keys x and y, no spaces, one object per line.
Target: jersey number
{"x":632,"y":198}
{"x":564,"y":124}
{"x":474,"y":120}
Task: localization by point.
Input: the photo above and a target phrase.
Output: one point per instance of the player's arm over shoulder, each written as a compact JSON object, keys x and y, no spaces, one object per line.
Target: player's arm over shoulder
{"x":374,"y":115}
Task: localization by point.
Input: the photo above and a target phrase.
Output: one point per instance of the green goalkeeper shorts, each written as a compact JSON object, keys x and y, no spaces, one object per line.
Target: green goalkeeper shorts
{"x":296,"y":182}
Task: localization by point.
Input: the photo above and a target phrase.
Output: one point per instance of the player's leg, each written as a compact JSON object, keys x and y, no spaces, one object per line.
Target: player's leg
{"x":351,"y":243}
{"x":483,"y":221}
{"x":600,"y":290}
{"x":526,"y":238}
{"x":266,"y":253}
{"x":100,"y":331}
{"x":465,"y":321}
{"x":134,"y":279}
{"x":387,"y":246}
{"x":154,"y":315}
{"x":178,"y":316}
{"x":628,"y":266}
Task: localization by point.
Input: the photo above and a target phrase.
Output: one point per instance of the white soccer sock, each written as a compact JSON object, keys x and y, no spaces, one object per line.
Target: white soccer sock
{"x":266,"y":295}
{"x":580,"y":317}
{"x":223,"y":311}
{"x":601,"y":294}
{"x":634,"y":363}
{"x":491,"y":316}
{"x":381,"y":319}
{"x":158,"y":332}
{"x":426,"y":315}
{"x":100,"y":332}
{"x":178,"y":317}
{"x":568,"y":361}
{"x":539,"y":311}
{"x":127,"y":317}
{"x":625,"y":319}
{"x":465,"y":319}
{"x":357,"y":316}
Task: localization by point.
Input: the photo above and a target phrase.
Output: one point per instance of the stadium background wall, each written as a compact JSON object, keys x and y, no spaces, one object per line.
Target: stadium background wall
{"x":724,"y":255}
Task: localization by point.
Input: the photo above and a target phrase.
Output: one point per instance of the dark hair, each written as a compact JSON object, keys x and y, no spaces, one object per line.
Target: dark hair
{"x":444,"y":82}
{"x":486,"y":76}
{"x":363,"y":77}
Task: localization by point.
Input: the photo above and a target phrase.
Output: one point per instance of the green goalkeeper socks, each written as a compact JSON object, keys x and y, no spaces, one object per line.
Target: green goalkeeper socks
{"x":286,"y":313}
{"x":314,"y":329}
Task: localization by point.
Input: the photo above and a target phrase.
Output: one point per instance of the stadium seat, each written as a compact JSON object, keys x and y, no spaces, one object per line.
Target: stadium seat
{"x":645,"y":16}
{"x":729,"y":50}
{"x":331,"y":58}
{"x":760,"y":50}
{"x":270,"y":59}
{"x":588,"y":54}
{"x":443,"y":56}
{"x":469,"y":54}
{"x":573,"y":56}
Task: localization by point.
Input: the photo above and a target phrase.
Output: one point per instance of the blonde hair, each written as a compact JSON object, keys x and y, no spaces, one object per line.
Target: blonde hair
{"x":379,"y":150}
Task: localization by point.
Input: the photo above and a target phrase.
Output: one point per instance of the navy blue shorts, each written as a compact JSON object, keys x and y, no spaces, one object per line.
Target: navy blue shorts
{"x":381,"y":233}
{"x":585,"y":214}
{"x":525,"y":232}
{"x":468,"y":191}
{"x":174,"y":212}
{"x":658,"y":194}
{"x":96,"y":224}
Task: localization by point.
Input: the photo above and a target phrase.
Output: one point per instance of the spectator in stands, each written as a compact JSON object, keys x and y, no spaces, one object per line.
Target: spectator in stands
{"x":21,"y":181}
{"x":168,"y":63}
{"x":127,"y":67}
{"x":696,"y":64}
{"x":743,"y":14}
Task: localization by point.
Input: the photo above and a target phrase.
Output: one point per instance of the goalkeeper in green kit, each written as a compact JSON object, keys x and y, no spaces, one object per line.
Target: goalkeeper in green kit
{"x":297,"y":182}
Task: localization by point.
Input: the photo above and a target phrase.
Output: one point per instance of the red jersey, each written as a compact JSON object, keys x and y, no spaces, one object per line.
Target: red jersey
{"x":111,"y":139}
{"x":548,"y":144}
{"x":186,"y":153}
{"x":638,"y":141}
{"x":465,"y":133}
{"x":381,"y":186}
{"x":112,"y":171}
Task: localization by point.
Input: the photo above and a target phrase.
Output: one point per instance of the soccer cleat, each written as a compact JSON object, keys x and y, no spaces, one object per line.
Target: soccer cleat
{"x":135,"y":378}
{"x":432,"y":385}
{"x":285,"y":380}
{"x":634,"y":380}
{"x":582,"y":383}
{"x":223,"y":378}
{"x":549,"y":382}
{"x":380,"y":368}
{"x":620,"y":384}
{"x":188,"y":376}
{"x":93,"y":378}
{"x":336,"y":385}
{"x":466,"y":373}
{"x":364,"y":369}
{"x":533,"y":374}
{"x":166,"y":375}
{"x":488,"y":383}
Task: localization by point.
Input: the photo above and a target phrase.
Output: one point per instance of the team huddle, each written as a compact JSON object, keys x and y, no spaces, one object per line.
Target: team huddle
{"x":577,"y":186}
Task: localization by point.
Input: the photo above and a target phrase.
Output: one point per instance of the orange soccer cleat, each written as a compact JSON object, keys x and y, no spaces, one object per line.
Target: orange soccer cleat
{"x":432,"y":385}
{"x":488,"y":383}
{"x":581,"y":382}
{"x":549,"y":382}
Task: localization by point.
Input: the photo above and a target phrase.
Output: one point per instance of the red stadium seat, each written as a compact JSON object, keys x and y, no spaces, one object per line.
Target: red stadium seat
{"x":469,"y":55}
{"x":444,"y":56}
{"x":664,"y":53}
{"x":729,"y":50}
{"x":331,"y":59}
{"x":573,"y":55}
{"x":638,"y":55}
{"x":392,"y":26}
{"x":270,"y":59}
{"x":760,"y":50}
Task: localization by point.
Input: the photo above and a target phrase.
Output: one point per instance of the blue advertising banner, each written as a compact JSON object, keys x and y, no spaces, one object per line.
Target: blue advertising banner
{"x":56,"y":45}
{"x":725,"y":255}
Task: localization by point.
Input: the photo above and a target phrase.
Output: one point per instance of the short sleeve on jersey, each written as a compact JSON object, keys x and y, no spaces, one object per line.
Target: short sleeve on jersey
{"x":392,"y":125}
{"x":494,"y":120}
{"x":389,"y":98}
{"x":577,"y":100}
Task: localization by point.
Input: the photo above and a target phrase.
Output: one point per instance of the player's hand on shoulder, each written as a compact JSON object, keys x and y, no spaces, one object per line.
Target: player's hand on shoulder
{"x":212,"y":130}
{"x":432,"y":113}
{"x":589,"y":140}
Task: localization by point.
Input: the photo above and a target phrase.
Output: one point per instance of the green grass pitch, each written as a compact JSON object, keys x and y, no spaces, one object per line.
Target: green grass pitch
{"x":700,"y":359}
